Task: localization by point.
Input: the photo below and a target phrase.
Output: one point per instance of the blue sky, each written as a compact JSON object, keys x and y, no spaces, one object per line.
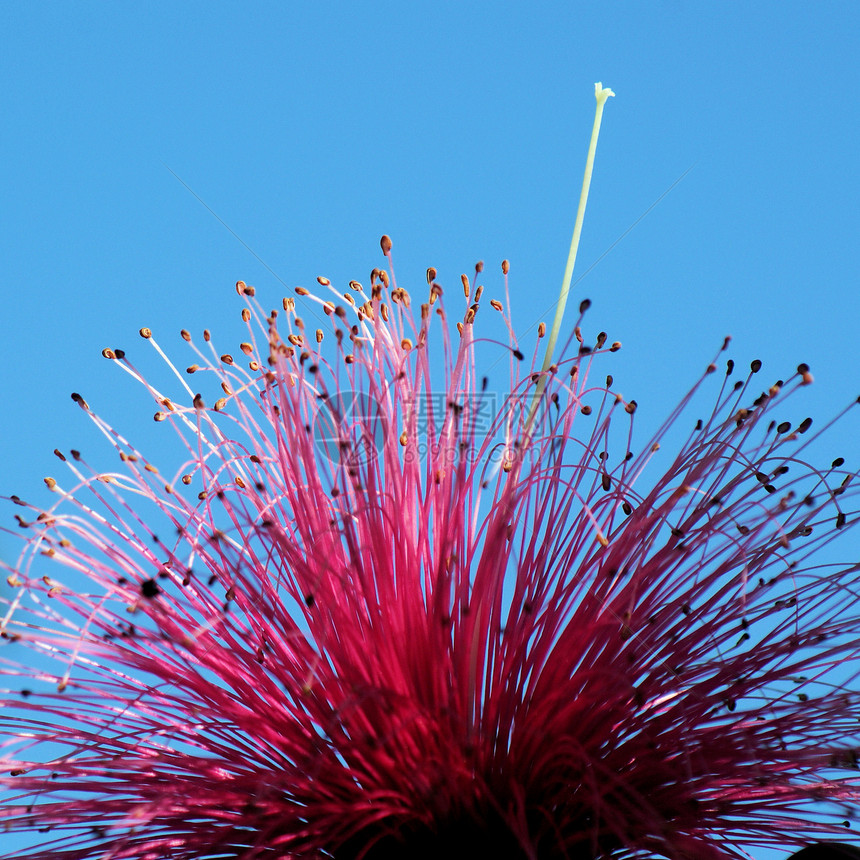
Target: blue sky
{"x":460,"y":129}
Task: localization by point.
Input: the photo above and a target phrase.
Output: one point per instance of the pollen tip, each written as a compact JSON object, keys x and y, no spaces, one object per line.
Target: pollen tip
{"x":385,"y":244}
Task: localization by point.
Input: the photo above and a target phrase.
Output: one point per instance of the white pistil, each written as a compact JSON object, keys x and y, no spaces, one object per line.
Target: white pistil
{"x":601,"y":94}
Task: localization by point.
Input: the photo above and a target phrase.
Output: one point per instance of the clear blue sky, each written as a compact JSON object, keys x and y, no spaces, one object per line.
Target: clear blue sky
{"x":458,"y":128}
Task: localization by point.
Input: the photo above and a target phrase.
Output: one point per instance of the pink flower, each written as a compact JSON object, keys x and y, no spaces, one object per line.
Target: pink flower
{"x":381,"y":612}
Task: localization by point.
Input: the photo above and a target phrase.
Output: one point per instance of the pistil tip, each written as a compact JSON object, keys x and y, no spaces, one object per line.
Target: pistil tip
{"x":602,"y":93}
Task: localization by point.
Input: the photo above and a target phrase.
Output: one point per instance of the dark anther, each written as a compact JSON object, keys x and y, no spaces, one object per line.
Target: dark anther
{"x":149,"y":588}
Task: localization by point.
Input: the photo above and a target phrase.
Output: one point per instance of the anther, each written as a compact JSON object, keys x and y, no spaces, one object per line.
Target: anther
{"x":149,"y":588}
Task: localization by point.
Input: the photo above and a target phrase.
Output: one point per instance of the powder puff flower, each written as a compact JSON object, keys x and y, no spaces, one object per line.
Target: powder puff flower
{"x":379,"y":611}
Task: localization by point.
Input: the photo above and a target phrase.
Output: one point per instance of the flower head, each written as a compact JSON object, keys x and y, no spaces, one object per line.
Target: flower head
{"x":396,"y":616}
{"x":381,"y":612}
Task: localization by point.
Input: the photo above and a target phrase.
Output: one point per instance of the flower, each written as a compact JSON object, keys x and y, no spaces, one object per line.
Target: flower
{"x":378,"y":613}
